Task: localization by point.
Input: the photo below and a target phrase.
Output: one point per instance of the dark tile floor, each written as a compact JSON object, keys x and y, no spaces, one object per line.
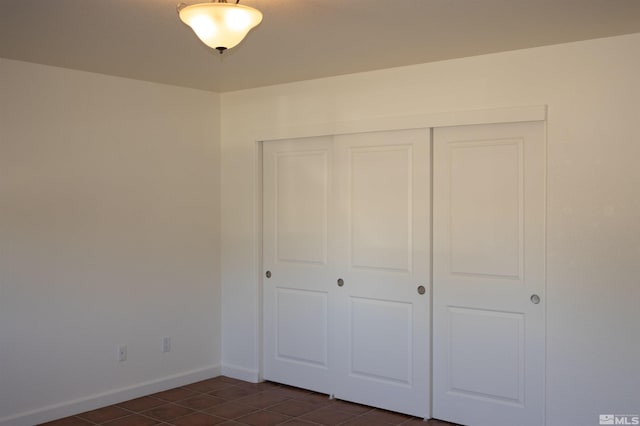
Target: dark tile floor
{"x":226,"y":401}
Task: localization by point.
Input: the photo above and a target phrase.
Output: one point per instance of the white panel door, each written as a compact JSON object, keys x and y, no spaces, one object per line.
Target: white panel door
{"x":488,"y":274}
{"x":383,"y":215}
{"x":300,"y":260}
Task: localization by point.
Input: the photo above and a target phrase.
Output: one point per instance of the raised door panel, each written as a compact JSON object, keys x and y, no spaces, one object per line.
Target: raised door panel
{"x":486,"y":354}
{"x":486,"y":179}
{"x":380,"y":180}
{"x":381,"y":341}
{"x":301,"y":327}
{"x":301,"y":191}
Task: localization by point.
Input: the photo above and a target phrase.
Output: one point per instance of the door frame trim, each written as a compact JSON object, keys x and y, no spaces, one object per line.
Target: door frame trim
{"x":405,"y":122}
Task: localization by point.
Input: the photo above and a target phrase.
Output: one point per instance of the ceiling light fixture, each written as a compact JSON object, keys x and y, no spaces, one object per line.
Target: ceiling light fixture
{"x":219,"y":25}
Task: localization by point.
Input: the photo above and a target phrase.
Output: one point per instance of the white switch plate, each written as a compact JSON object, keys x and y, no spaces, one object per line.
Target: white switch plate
{"x":166,"y":344}
{"x":122,"y":353}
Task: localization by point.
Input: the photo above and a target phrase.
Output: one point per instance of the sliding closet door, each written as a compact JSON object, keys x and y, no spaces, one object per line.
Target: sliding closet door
{"x":299,"y":257}
{"x":381,"y":339}
{"x":488,"y":274}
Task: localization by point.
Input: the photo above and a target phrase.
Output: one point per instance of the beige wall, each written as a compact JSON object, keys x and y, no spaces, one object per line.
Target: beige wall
{"x":592,"y":92}
{"x":109,"y":234}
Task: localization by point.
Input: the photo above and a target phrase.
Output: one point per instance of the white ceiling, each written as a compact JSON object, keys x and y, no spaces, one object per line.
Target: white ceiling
{"x":297,"y":40}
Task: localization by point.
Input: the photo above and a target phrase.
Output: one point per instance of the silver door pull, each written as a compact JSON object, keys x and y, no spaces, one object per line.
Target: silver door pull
{"x":421,"y":290}
{"x":340,"y":282}
{"x":268,"y":274}
{"x":535,"y":299}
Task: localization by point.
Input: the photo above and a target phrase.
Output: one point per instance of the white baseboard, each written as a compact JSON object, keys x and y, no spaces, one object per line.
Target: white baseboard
{"x":92,"y":402}
{"x":240,"y":373}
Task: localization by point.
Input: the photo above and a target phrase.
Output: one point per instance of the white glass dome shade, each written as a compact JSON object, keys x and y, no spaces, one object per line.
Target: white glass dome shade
{"x":220,"y":26}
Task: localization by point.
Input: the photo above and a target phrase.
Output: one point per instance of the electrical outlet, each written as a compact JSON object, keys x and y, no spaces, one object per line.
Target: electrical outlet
{"x":166,"y":344}
{"x":122,"y":353}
